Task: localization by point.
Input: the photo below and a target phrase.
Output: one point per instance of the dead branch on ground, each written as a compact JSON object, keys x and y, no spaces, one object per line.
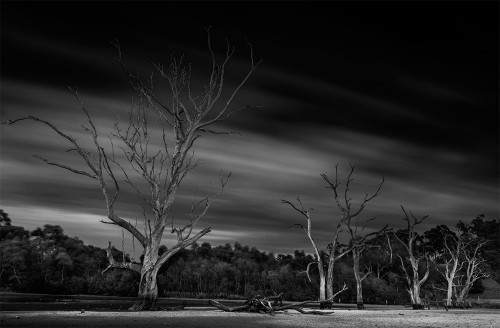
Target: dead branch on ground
{"x":270,"y":305}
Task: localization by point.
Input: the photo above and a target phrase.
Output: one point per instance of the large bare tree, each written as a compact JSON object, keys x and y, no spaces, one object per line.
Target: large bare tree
{"x":358,"y":238}
{"x":414,"y":279}
{"x":160,"y":160}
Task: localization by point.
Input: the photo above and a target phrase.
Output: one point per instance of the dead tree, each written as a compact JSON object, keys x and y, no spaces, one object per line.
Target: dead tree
{"x":461,"y":266}
{"x":452,"y":257}
{"x":473,"y":268}
{"x":414,"y":279}
{"x":358,"y":242}
{"x":318,"y":258}
{"x":179,"y":123}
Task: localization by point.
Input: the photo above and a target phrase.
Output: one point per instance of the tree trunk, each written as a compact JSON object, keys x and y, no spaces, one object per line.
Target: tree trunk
{"x":449,"y":292}
{"x":416,"y":300}
{"x":359,"y":286}
{"x":322,"y":282}
{"x":148,"y":291}
{"x":463,"y":293}
{"x":148,"y":288}
{"x":359,"y":297}
{"x":329,"y":277}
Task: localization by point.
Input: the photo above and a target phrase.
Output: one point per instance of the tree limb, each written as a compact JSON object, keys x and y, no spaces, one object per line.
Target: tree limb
{"x":120,"y":265}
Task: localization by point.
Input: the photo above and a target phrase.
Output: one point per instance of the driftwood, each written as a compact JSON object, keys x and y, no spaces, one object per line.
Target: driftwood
{"x":268,"y":305}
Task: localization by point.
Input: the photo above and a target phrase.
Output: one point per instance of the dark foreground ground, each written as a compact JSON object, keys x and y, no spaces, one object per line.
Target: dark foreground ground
{"x":44,"y":302}
{"x":48,"y":311}
{"x":208,"y":317}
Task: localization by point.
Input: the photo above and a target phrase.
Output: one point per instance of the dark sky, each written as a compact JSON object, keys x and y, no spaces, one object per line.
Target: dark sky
{"x":404,"y":90}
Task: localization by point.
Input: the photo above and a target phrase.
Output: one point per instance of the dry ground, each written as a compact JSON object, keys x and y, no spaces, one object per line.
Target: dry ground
{"x":209,"y":317}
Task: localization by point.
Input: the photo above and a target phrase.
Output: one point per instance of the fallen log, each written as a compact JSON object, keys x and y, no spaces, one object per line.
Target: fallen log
{"x":226,"y":308}
{"x":268,"y":305}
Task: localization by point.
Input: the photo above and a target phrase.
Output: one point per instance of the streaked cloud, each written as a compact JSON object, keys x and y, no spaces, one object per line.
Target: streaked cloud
{"x":264,"y":171}
{"x":390,"y":110}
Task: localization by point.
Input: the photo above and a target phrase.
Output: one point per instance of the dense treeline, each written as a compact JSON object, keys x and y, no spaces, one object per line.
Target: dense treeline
{"x":46,"y":260}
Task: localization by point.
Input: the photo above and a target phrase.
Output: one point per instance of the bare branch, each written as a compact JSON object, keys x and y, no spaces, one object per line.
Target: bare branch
{"x":81,"y":151}
{"x":93,"y":176}
{"x":120,"y":265}
{"x":301,"y":211}
{"x":219,"y":132}
{"x":344,"y":288}
{"x":140,"y":86}
{"x":307,"y":270}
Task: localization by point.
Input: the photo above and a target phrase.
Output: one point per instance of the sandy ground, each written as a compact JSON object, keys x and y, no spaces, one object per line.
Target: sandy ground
{"x":205,"y":317}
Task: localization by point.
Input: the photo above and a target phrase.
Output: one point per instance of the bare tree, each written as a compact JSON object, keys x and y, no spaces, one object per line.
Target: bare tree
{"x":318,"y":256}
{"x":335,"y":253}
{"x":358,"y":242}
{"x":183,"y":119}
{"x":461,"y":264}
{"x":474,"y":268}
{"x":414,"y":279}
{"x":452,"y":257}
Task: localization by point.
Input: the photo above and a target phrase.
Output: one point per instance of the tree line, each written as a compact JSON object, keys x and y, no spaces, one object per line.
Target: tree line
{"x":46,"y":260}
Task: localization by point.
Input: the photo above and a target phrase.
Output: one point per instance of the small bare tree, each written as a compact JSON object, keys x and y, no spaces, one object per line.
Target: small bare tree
{"x":358,"y":242}
{"x":317,"y":254}
{"x":318,"y":258}
{"x":414,"y":279}
{"x":182,"y":119}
